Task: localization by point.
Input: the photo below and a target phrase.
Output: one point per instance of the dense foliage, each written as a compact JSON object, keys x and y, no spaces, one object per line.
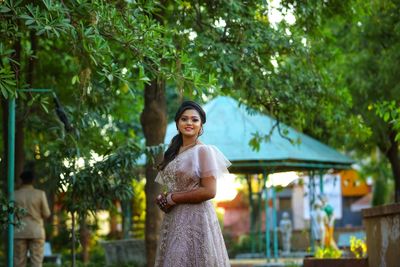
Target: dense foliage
{"x":330,"y":71}
{"x":355,"y":43}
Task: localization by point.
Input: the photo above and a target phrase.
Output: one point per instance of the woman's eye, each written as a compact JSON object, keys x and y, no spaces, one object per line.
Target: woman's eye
{"x":195,"y":120}
{"x":183,"y":119}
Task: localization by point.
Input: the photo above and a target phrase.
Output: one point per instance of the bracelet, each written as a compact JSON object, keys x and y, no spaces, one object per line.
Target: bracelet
{"x":169,"y":200}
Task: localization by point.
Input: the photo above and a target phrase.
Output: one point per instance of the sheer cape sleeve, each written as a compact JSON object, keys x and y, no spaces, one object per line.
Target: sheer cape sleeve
{"x":197,"y":162}
{"x":209,"y":161}
{"x":159,"y":178}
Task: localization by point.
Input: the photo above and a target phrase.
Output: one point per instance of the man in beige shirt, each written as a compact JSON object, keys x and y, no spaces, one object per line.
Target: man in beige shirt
{"x":31,"y":235}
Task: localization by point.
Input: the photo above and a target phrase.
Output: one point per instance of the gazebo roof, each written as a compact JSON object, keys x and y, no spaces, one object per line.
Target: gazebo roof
{"x":230,"y":127}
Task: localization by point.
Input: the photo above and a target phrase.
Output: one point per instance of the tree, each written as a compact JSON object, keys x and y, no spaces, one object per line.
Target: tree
{"x":357,"y":44}
{"x":234,"y":46}
{"x":91,"y":53}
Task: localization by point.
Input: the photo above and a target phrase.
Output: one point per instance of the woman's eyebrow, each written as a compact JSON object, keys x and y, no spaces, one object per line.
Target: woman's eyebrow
{"x":194,"y":116}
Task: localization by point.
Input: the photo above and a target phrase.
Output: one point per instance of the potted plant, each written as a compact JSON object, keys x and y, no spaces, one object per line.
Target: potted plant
{"x":332,"y":257}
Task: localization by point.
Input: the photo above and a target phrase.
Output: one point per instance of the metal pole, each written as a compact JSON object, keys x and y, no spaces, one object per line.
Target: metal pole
{"x":252,"y":237}
{"x":259,"y":222}
{"x":267,"y":249}
{"x":11,"y":173}
{"x":36,"y":90}
{"x":310,"y":210}
{"x":321,"y":182}
{"x":311,"y":193}
{"x":274,"y":221}
{"x":10,"y":179}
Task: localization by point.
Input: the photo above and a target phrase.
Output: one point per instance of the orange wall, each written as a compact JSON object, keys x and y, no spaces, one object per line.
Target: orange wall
{"x":352,"y":184}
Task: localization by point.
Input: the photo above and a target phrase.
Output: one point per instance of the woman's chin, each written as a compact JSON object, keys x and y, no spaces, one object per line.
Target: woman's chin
{"x":189,"y":134}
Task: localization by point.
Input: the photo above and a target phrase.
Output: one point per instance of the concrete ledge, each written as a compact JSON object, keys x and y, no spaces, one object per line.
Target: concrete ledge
{"x":272,"y":264}
{"x":382,"y":225}
{"x":381,"y":210}
{"x":126,"y":251}
{"x":342,"y":262}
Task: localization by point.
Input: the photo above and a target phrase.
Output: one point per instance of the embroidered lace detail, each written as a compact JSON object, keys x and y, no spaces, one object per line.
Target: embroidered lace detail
{"x":191,"y":237}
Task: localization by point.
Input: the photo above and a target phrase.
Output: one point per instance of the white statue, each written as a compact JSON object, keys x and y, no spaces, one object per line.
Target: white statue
{"x":329,"y":240}
{"x":318,"y":219}
{"x":285,"y":226}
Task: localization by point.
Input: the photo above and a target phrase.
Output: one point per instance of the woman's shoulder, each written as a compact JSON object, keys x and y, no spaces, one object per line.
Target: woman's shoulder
{"x":207,"y":149}
{"x":203,"y":146}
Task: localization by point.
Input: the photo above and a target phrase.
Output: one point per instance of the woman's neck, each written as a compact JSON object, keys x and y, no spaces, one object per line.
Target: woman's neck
{"x":189,"y":141}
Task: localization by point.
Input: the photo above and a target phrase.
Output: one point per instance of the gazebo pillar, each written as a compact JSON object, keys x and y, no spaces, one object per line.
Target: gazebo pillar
{"x":267,"y":237}
{"x":274,"y":223}
{"x":321,"y":181}
{"x":311,"y":192}
{"x":252,"y":222}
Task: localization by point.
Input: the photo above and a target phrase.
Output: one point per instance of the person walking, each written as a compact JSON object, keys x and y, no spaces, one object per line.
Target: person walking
{"x":31,"y":235}
{"x":190,"y":234}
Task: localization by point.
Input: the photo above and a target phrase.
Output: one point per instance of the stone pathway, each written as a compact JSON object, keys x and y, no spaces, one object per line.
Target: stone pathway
{"x":284,"y":262}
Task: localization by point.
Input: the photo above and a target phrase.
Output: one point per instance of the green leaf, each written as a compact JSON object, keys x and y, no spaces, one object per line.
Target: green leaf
{"x":29,"y":22}
{"x":44,"y":106}
{"x":4,"y":9}
{"x":27,"y":17}
{"x":4,"y":92}
{"x":386,"y":116}
{"x":75,"y":79}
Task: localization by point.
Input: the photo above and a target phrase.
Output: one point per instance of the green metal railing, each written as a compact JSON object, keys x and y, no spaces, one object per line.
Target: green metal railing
{"x":10,"y":179}
{"x":11,"y":167}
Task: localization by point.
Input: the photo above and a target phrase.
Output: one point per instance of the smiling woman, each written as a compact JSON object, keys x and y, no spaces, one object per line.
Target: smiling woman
{"x":190,"y":233}
{"x":189,"y":125}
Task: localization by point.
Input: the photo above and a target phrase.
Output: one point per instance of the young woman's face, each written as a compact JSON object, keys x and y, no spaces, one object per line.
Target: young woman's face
{"x":189,"y":124}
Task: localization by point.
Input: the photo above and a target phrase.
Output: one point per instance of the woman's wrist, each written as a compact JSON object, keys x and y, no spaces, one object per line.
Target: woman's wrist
{"x":170,"y":201}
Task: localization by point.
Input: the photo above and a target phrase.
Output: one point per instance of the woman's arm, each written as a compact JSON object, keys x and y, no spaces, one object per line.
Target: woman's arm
{"x":206,"y":191}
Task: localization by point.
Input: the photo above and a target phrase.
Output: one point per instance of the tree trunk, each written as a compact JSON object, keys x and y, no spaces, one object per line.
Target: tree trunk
{"x":126,"y":207}
{"x":114,"y":233}
{"x":394,"y":159}
{"x":84,"y":235}
{"x":154,"y":124}
{"x":21,"y":114}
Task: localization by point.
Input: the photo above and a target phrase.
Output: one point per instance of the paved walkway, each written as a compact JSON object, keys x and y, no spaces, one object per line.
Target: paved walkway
{"x":287,"y":262}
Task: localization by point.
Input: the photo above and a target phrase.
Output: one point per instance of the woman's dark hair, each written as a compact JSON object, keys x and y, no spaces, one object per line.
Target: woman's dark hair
{"x":177,"y":141}
{"x":27,"y":177}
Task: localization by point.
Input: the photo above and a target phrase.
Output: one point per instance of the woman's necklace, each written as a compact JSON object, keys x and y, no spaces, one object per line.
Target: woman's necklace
{"x":183,"y":148}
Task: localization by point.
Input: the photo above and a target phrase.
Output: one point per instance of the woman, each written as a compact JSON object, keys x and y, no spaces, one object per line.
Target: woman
{"x":190,"y":234}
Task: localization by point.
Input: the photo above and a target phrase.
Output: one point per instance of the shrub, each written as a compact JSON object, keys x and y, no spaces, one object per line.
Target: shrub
{"x":358,"y":247}
{"x":328,"y":252}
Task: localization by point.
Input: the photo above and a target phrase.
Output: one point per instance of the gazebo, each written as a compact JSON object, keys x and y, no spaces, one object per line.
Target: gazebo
{"x":231,"y":126}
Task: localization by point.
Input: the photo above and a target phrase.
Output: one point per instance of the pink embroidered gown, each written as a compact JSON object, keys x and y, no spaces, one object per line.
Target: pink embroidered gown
{"x":190,"y":234}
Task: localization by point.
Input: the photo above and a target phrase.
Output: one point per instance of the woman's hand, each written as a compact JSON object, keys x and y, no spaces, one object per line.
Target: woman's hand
{"x":162,"y":203}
